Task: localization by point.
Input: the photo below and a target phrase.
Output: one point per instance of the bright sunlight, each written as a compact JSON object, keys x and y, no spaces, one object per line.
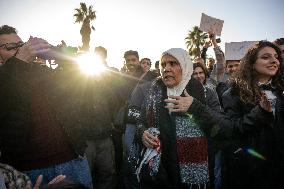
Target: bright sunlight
{"x":90,"y":64}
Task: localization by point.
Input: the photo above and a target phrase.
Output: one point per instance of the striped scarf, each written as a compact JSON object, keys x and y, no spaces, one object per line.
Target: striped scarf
{"x":191,"y":142}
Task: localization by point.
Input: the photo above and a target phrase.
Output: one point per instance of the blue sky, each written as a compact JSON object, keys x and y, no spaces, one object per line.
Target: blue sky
{"x":148,"y":26}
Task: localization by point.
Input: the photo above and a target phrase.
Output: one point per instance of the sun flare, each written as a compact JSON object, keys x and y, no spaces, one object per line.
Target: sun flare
{"x":90,"y":64}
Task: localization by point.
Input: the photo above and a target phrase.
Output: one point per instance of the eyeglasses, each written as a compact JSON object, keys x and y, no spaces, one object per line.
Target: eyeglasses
{"x":12,"y":46}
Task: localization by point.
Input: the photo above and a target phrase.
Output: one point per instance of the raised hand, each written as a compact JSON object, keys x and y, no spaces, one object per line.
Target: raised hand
{"x":207,"y":44}
{"x":265,"y":103}
{"x":32,"y":48}
{"x":213,"y":39}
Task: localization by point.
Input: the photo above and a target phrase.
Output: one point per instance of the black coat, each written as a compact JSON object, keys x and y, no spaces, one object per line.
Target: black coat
{"x":252,"y":128}
{"x":82,"y":105}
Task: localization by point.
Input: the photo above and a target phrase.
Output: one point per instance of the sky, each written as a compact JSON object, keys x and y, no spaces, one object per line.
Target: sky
{"x":148,"y":26}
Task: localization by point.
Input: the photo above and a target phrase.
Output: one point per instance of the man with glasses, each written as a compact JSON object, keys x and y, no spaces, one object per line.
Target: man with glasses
{"x":11,"y":43}
{"x":12,"y":46}
{"x":35,"y":134}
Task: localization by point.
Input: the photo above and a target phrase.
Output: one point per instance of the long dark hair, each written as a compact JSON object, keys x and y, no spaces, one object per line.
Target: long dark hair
{"x":246,"y":77}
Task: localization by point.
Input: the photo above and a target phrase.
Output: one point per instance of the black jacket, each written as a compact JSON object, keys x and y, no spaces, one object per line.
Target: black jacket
{"x":82,"y":105}
{"x":253,"y":131}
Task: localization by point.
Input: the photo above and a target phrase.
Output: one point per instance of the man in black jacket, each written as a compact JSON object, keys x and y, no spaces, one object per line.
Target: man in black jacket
{"x":38,"y":123}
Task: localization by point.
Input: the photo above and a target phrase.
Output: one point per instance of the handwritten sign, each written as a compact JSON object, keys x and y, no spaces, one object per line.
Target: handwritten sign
{"x":210,"y":24}
{"x":237,"y":50}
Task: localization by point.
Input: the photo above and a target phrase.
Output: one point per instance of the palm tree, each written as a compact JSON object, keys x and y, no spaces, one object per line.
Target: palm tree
{"x":85,"y":15}
{"x":194,"y":40}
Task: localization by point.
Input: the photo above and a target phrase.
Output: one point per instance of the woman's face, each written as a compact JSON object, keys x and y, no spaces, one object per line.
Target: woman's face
{"x":199,"y":74}
{"x":145,"y":64}
{"x":267,"y":64}
{"x":171,"y":71}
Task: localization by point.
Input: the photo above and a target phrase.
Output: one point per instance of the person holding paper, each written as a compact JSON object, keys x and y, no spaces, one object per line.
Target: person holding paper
{"x":218,"y":68}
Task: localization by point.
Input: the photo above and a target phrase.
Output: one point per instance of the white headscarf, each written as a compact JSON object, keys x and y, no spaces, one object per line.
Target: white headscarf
{"x":186,"y":66}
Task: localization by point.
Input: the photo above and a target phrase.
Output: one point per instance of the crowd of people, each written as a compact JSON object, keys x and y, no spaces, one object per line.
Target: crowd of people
{"x":184,"y":125}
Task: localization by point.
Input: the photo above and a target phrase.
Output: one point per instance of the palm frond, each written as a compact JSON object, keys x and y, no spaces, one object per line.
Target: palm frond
{"x":90,"y":9}
{"x":78,"y":10}
{"x":79,"y":17}
{"x":84,"y":7}
{"x":92,"y":15}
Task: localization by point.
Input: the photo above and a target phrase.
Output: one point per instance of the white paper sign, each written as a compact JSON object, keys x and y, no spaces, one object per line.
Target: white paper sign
{"x":237,"y":50}
{"x":210,"y":24}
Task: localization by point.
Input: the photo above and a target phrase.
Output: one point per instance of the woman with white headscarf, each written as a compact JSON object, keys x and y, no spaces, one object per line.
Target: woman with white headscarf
{"x":168,"y":125}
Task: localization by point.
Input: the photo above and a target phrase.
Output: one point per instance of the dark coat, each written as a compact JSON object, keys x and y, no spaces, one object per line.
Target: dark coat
{"x":15,"y":101}
{"x":83,"y":106}
{"x":254,"y":129}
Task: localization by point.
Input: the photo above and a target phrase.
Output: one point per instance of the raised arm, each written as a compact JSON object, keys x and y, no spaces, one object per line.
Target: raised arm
{"x":219,"y":69}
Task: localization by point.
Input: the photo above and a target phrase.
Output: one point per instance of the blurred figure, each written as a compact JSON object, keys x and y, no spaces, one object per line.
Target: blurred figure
{"x":102,"y":53}
{"x":100,"y":148}
{"x":35,"y":137}
{"x":145,"y":64}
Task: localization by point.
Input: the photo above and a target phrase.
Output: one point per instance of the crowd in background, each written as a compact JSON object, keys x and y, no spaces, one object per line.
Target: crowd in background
{"x":207,"y":123}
